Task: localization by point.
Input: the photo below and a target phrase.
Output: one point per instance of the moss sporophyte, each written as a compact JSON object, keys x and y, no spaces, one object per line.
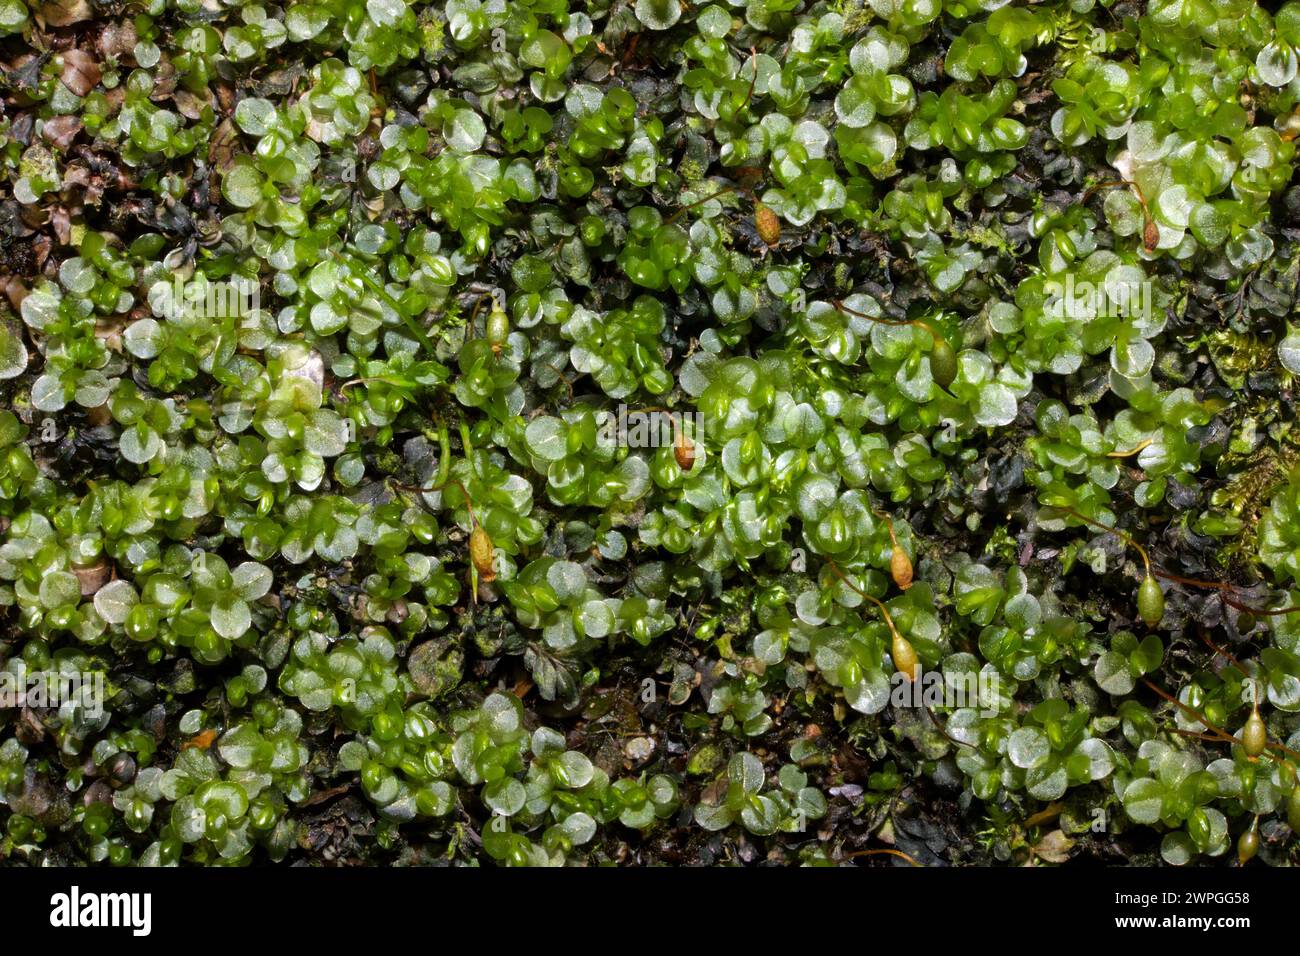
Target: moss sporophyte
{"x":555,"y":434}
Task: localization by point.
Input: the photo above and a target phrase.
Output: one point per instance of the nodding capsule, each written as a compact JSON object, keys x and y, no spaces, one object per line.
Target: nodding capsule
{"x":684,"y":451}
{"x":905,"y":659}
{"x":1248,"y":845}
{"x":482,"y":553}
{"x":767,"y":223}
{"x":1150,"y":235}
{"x":1254,"y":736}
{"x":900,"y":568}
{"x":943,"y":362}
{"x":1151,"y":601}
{"x":498,"y":329}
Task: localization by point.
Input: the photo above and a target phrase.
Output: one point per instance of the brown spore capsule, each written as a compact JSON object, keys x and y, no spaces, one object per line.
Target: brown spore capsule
{"x":768,"y":224}
{"x":905,"y":658}
{"x":900,"y":567}
{"x":684,"y":451}
{"x":482,"y":553}
{"x":1150,"y":235}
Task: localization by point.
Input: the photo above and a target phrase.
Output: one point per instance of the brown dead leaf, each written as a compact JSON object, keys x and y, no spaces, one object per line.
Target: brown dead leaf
{"x":714,"y":793}
{"x":93,"y":578}
{"x":225,"y":97}
{"x":42,"y":246}
{"x":117,"y":39}
{"x":221,"y":148}
{"x":322,"y":795}
{"x":116,"y":97}
{"x":1054,"y":848}
{"x":165,"y":81}
{"x":189,"y":105}
{"x":62,"y":13}
{"x":61,"y":220}
{"x":60,"y":131}
{"x":110,"y":333}
{"x":81,"y":73}
{"x":15,"y":291}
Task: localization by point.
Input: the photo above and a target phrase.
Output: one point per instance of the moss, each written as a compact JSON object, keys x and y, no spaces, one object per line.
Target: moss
{"x":963,"y":342}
